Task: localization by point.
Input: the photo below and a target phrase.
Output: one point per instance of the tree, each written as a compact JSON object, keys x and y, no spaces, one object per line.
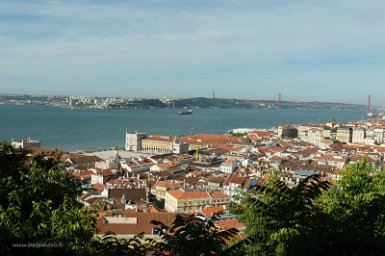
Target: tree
{"x":12,"y":161}
{"x":281,"y":220}
{"x":356,"y":206}
{"x":38,"y":208}
{"x":317,"y":218}
{"x":192,"y":235}
{"x":109,"y":244}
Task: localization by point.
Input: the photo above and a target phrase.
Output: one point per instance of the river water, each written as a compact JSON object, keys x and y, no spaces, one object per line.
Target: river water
{"x":82,"y":129}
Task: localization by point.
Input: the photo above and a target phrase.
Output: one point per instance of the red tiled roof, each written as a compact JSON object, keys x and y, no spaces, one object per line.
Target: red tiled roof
{"x":211,"y":210}
{"x":211,"y":139}
{"x":227,"y":224}
{"x":218,"y":194}
{"x":284,"y":144}
{"x":229,"y":161}
{"x":181,"y":194}
{"x":81,"y":159}
{"x":166,"y":165}
{"x":231,"y":147}
{"x":98,"y":187}
{"x":143,"y":223}
{"x":106,"y":172}
{"x":136,"y":195}
{"x":216,"y":179}
{"x":275,"y":157}
{"x":237,"y":180}
{"x":83,"y":174}
{"x":166,"y":184}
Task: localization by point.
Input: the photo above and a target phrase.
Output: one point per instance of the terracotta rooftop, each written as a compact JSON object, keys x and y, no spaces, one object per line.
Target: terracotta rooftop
{"x":106,"y":172}
{"x":166,"y":184}
{"x":237,"y":180}
{"x":216,"y":179}
{"x":231,"y":223}
{"x":167,"y":165}
{"x":284,"y":144}
{"x":210,"y":139}
{"x":211,"y":210}
{"x":229,"y":161}
{"x":81,"y":159}
{"x":181,"y":194}
{"x":83,"y":174}
{"x":142,"y":223}
{"x":98,"y":187}
{"x":219,"y":194}
{"x":229,"y":147}
{"x":136,"y":195}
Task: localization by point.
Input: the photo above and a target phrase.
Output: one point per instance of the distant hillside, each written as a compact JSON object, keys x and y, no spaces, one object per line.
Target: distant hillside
{"x":143,"y":103}
{"x":202,"y":102}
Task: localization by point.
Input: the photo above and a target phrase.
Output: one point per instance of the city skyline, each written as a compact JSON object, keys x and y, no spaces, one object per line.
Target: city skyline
{"x":321,"y":50}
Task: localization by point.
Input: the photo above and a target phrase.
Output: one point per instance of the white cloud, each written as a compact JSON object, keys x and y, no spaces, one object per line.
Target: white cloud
{"x":78,"y":38}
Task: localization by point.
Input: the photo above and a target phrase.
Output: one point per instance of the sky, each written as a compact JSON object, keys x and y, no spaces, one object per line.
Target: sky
{"x":306,"y":50}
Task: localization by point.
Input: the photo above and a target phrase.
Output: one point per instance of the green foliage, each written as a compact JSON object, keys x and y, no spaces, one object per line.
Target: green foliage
{"x":11,"y":161}
{"x":356,"y":206}
{"x":38,"y":207}
{"x":313,"y":219}
{"x":191,"y":235}
{"x":202,"y":102}
{"x":38,"y":210}
{"x":140,"y":104}
{"x":39,"y":215}
{"x":280,"y":219}
{"x":109,"y":244}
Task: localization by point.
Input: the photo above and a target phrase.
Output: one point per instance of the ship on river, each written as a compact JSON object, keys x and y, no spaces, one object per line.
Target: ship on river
{"x":185,"y":112}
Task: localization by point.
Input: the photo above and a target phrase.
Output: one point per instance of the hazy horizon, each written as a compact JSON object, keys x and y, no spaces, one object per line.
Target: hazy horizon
{"x":166,"y":97}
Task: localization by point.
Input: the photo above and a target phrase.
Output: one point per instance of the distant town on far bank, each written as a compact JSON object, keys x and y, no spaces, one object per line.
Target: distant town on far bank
{"x":87,"y":102}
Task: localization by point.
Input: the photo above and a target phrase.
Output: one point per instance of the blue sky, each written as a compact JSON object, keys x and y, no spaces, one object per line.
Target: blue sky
{"x":306,"y":50}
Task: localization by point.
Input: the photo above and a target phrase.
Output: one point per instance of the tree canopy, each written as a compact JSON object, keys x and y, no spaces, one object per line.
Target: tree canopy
{"x":39,"y":215}
{"x":316,"y":217}
{"x":38,"y":207}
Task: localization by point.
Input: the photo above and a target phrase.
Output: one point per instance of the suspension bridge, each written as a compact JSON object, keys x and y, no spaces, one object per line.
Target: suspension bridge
{"x":378,"y":102}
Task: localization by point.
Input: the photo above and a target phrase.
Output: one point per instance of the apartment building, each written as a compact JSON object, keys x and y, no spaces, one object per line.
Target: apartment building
{"x":183,"y":201}
{"x":344,"y":134}
{"x":316,"y":134}
{"x":134,"y":140}
{"x":136,"y":166}
{"x":155,"y":143}
{"x":229,"y":165}
{"x":160,"y":188}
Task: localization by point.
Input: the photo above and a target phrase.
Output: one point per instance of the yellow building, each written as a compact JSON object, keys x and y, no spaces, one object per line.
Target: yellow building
{"x":158,"y":144}
{"x":185,"y":201}
{"x":163,"y":145}
{"x":160,"y":188}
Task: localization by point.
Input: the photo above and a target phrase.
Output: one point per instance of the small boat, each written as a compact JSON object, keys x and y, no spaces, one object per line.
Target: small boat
{"x":185,"y":112}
